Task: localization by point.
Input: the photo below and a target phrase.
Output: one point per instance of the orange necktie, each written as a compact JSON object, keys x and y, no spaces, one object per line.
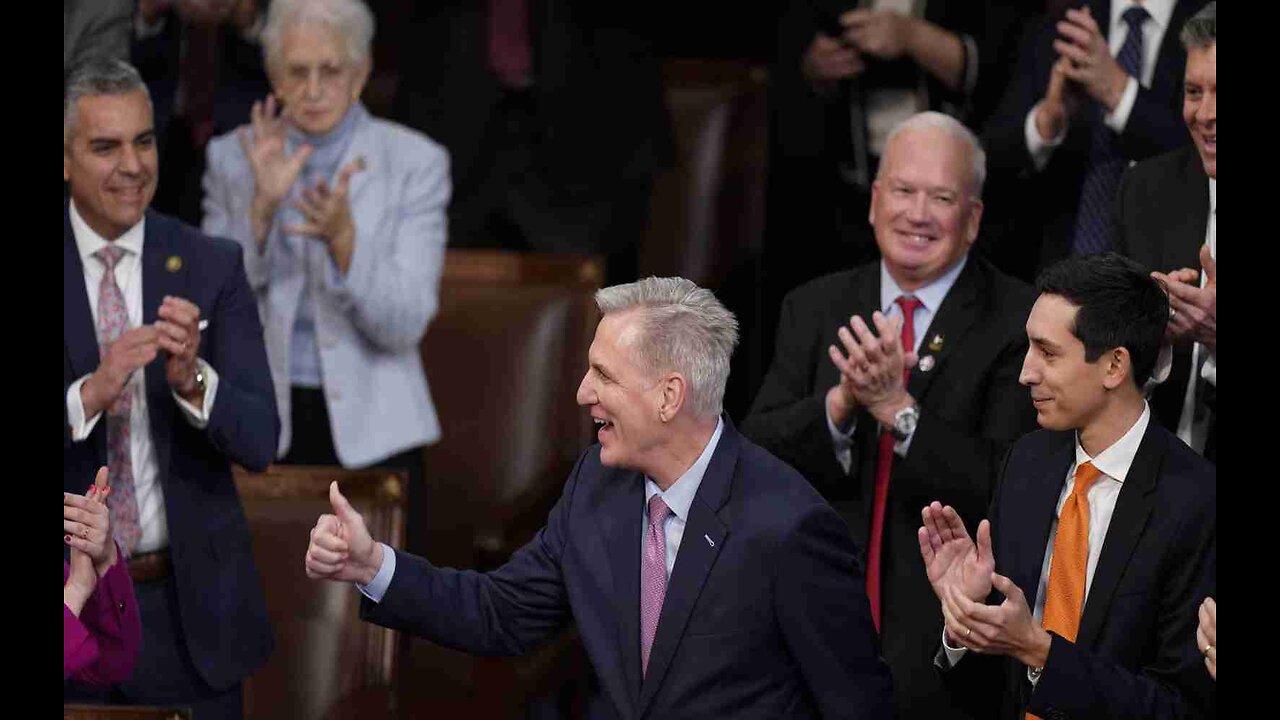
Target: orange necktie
{"x":1064,"y":597}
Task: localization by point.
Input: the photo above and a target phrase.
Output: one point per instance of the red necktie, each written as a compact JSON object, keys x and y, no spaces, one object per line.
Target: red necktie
{"x":884,"y":463}
{"x":509,"y":41}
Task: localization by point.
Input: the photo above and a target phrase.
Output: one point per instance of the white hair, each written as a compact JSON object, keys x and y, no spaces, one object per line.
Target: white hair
{"x":954,"y":128}
{"x":683,"y":328}
{"x":350,"y":20}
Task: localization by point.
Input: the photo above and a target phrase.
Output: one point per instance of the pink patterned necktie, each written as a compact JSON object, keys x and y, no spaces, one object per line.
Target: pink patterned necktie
{"x":653,"y":577}
{"x":113,"y":321}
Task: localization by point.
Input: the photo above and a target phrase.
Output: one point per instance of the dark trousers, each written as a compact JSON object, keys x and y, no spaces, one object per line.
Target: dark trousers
{"x":164,"y":674}
{"x":312,"y":444}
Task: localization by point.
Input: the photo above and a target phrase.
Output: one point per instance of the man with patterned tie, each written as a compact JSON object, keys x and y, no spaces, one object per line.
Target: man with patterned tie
{"x":1095,"y":89}
{"x":1166,"y":218}
{"x":897,"y":381}
{"x":1080,"y":594}
{"x":707,"y":579}
{"x":165,"y":381}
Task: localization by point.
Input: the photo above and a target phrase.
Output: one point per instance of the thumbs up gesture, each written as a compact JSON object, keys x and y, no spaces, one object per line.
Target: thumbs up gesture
{"x":341,"y":548}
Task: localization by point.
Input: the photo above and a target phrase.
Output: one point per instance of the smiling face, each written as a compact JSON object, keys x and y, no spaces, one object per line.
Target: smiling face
{"x":623,"y":397}
{"x":923,"y":206}
{"x":315,"y":77}
{"x":1200,"y":104}
{"x":1069,"y":392}
{"x":110,"y":161}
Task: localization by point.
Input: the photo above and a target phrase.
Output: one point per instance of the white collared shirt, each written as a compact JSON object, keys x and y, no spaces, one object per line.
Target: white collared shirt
{"x":1159,"y":12}
{"x":142,"y":455}
{"x":930,"y":297}
{"x":1114,"y":463}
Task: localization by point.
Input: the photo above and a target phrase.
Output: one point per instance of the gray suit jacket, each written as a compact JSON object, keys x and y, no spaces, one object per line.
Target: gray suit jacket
{"x":95,"y":27}
{"x":369,"y":323}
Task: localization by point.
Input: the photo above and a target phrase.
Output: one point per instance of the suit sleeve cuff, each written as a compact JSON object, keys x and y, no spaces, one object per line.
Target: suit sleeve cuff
{"x":1118,"y":118}
{"x":377,"y":587}
{"x":841,"y":440}
{"x":199,"y":417}
{"x":80,"y":427}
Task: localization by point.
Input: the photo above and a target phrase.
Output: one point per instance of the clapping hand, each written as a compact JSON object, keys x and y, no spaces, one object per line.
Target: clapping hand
{"x":871,"y":374}
{"x":274,"y":172}
{"x":1194,"y":309}
{"x":953,"y":562}
{"x":87,"y":524}
{"x":327,"y":215}
{"x":1090,"y":63}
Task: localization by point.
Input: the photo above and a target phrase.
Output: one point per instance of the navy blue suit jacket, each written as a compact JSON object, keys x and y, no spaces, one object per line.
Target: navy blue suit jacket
{"x":222,"y":611}
{"x":1037,"y":210}
{"x":765,"y":614}
{"x":1135,"y":654}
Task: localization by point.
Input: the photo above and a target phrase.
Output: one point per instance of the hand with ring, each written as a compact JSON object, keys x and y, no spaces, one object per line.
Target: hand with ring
{"x":1207,"y":635}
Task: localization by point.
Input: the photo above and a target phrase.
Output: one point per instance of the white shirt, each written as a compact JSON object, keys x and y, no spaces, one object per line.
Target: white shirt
{"x":1114,"y":463}
{"x":1203,"y":363}
{"x":1153,"y":29}
{"x":678,"y":497}
{"x":930,"y":297}
{"x":142,"y":455}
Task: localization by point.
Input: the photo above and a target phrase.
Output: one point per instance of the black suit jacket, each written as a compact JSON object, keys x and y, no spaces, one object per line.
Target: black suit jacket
{"x":971,"y":410}
{"x":1135,"y":654}
{"x":764,"y":616}
{"x":222,"y":613}
{"x":597,"y":82}
{"x":1161,"y":217}
{"x":1036,"y":211}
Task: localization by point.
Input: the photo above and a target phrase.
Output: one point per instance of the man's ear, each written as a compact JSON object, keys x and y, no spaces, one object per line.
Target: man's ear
{"x":1119,"y":368}
{"x":674,"y":391}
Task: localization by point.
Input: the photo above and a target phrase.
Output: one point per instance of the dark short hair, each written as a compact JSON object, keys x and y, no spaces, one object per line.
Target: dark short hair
{"x":1120,"y":305}
{"x":1201,"y":30}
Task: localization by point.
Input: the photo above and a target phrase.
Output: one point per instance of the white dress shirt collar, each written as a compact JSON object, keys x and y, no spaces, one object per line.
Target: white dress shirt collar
{"x":1159,"y":10}
{"x":931,"y":295}
{"x":88,"y":241}
{"x":679,"y":497}
{"x":1213,"y":195}
{"x":1115,"y":461}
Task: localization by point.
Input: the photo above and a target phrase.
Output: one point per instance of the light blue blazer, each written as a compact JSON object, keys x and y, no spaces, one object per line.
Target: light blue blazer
{"x":369,"y":323}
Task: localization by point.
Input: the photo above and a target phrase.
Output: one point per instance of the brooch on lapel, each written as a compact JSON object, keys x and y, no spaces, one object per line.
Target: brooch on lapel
{"x":926,"y":363}
{"x":173,"y":263}
{"x":936,"y":343}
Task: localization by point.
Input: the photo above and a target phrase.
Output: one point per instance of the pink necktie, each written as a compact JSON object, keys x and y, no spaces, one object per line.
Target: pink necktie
{"x":653,"y":577}
{"x":113,"y":321}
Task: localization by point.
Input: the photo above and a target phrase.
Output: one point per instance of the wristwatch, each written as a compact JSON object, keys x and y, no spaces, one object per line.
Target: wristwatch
{"x":904,"y":422}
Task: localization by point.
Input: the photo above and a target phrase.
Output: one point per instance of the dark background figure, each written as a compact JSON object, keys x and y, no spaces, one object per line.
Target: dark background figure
{"x":1057,"y":148}
{"x":95,"y":28}
{"x":203,"y":66}
{"x":553,"y":116}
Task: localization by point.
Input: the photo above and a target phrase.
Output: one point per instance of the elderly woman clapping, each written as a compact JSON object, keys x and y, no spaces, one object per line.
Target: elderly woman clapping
{"x":342,"y":218}
{"x":101,"y":629}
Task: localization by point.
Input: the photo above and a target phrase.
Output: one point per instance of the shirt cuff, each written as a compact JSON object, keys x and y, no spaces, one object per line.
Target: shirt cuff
{"x":953,"y":654}
{"x":1032,"y":678}
{"x":1209,"y":371}
{"x":1164,"y":363}
{"x":377,"y":587}
{"x":1039,"y":148}
{"x":199,"y":417}
{"x":80,"y":429}
{"x":1118,"y":118}
{"x":842,"y":441}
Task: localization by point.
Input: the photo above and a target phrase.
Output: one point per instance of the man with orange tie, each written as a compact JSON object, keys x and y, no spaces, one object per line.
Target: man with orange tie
{"x":896,"y":382}
{"x":1080,"y":593}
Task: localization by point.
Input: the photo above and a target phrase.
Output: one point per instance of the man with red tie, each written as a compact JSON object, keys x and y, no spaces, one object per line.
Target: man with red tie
{"x":896,"y":382}
{"x":1080,"y":594}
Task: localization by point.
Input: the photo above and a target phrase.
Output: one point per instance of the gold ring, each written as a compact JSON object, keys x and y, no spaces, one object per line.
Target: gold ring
{"x":968,"y":632}
{"x":1206,"y":650}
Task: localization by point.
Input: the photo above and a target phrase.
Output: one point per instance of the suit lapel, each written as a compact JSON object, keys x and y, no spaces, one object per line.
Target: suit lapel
{"x":362,"y":146}
{"x":619,"y":522}
{"x":1190,"y":209}
{"x":164,"y":272}
{"x":950,"y":322}
{"x":704,"y":536}
{"x":1133,"y":507}
{"x":1031,"y":540}
{"x":78,"y":331}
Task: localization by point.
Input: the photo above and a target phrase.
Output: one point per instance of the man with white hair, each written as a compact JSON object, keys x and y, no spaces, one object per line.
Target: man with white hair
{"x":706,"y":577}
{"x":898,"y":379}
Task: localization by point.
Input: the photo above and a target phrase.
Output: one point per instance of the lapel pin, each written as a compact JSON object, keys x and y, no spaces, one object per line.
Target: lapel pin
{"x":710,"y":542}
{"x":926,"y":363}
{"x":936,"y":343}
{"x":173,"y":264}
